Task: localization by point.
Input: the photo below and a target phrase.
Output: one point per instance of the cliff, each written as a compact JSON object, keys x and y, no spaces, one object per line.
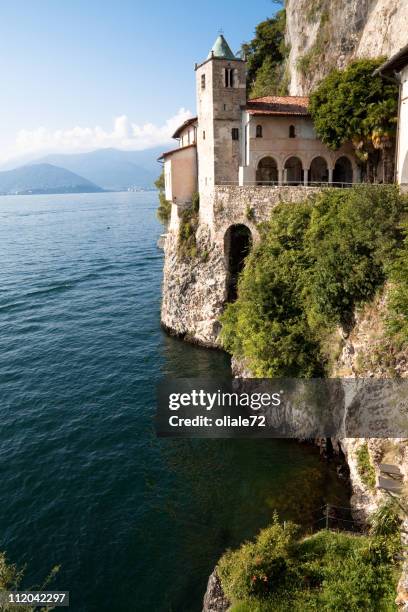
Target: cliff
{"x":324,"y":34}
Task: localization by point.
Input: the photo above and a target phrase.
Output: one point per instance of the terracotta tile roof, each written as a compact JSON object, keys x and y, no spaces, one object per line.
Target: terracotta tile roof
{"x":278,"y":105}
{"x":184,"y":125}
{"x":166,"y":153}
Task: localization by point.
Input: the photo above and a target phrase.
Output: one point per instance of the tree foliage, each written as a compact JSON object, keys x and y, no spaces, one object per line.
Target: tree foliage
{"x":265,"y":56}
{"x":316,"y":261}
{"x":356,"y":105}
{"x":164,"y":208}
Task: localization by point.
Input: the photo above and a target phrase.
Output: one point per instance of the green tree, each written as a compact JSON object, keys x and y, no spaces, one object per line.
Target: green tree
{"x":265,"y":56}
{"x":164,"y":208}
{"x":356,"y":105}
{"x":316,"y":261}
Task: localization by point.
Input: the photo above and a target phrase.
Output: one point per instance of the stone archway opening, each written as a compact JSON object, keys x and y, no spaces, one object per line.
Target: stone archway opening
{"x":267,"y":171}
{"x":293,"y":171}
{"x":319,"y":171}
{"x":237,"y":244}
{"x":343,"y":172}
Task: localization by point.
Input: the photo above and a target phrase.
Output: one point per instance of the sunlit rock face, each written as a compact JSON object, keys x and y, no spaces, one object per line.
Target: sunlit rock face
{"x":328,"y":33}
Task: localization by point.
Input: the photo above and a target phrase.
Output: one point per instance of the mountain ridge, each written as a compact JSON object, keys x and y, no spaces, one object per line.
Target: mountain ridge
{"x":44,"y":178}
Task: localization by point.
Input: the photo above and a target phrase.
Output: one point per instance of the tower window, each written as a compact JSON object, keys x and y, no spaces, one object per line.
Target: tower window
{"x":259,"y":131}
{"x":229,"y":77}
{"x":203,"y":134}
{"x":235,"y":133}
{"x":292,"y":131}
{"x":203,"y":81}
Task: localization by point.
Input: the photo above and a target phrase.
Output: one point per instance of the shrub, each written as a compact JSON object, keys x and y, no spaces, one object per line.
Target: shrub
{"x":164,"y":208}
{"x":328,"y":571}
{"x":258,"y":568}
{"x":397,"y":318}
{"x":386,"y":519}
{"x":365,"y":468}
{"x":316,"y":261}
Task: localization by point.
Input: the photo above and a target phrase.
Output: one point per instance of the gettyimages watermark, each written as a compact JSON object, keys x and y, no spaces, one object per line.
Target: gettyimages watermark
{"x":282,"y":408}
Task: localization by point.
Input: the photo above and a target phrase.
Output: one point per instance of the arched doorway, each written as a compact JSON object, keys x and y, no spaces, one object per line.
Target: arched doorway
{"x":237,"y":244}
{"x":319,"y":172}
{"x":343,"y":172}
{"x":267,"y":171}
{"x":293,"y":171}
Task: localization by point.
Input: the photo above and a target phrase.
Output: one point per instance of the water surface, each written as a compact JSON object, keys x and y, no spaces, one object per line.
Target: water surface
{"x":136,"y":523}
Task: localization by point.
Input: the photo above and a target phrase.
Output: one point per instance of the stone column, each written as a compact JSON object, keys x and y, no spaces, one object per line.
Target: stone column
{"x":330,"y":175}
{"x":280,"y":176}
{"x":306,"y":177}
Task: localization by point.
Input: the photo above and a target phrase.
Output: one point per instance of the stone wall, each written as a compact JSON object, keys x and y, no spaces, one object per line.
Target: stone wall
{"x":195,"y":289}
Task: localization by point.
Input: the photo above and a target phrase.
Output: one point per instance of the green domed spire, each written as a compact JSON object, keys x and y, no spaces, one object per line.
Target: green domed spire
{"x":221,"y":49}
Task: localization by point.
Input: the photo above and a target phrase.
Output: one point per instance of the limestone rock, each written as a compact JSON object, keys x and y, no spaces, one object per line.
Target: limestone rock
{"x":214,"y":598}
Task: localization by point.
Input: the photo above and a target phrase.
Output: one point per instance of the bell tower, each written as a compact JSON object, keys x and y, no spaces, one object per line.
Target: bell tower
{"x":221,"y":92}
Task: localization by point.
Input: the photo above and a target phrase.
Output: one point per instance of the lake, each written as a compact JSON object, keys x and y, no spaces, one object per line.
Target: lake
{"x":135,"y":523}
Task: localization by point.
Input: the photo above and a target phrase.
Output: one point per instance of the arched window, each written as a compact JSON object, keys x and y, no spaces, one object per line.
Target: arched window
{"x":229,"y":77}
{"x":292,"y":131}
{"x":203,"y":81}
{"x":259,"y":131}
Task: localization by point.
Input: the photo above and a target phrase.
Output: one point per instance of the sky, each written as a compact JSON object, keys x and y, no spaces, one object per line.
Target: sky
{"x":78,"y":76}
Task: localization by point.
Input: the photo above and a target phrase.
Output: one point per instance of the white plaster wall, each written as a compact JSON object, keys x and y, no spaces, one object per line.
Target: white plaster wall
{"x":402,"y":159}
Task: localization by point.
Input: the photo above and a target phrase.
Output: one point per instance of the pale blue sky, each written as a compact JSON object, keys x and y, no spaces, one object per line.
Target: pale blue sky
{"x":68,"y":63}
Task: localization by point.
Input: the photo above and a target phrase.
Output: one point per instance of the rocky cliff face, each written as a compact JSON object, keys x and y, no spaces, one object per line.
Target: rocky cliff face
{"x":323,"y":34}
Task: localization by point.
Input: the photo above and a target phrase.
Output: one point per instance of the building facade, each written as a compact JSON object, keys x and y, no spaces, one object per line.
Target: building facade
{"x":244,"y":157}
{"x":397,"y":68}
{"x":235,"y":141}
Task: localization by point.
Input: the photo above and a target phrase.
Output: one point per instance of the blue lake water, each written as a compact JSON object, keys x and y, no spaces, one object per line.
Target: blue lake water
{"x":136,"y":523}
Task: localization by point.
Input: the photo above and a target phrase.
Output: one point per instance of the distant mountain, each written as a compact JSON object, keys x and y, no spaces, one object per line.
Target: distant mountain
{"x":44,"y":178}
{"x":111,"y":168}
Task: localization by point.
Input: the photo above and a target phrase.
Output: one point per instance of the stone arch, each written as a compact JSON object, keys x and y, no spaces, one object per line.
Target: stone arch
{"x":319,"y":170}
{"x":237,"y":244}
{"x":293,"y":170}
{"x":267,"y":171}
{"x":343,"y":171}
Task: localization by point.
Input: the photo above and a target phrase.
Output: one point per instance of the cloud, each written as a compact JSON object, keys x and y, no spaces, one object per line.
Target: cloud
{"x":124,"y":135}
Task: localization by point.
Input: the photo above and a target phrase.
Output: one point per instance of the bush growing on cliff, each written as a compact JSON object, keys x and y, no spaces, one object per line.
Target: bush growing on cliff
{"x":164,"y":208}
{"x":316,"y":261}
{"x":187,"y":245}
{"x":365,"y":468}
{"x":397,"y":320}
{"x":265,"y":56}
{"x":353,"y":105}
{"x":328,"y":571}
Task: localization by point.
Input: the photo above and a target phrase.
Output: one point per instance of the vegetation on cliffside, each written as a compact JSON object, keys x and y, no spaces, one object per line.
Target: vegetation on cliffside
{"x":11,"y":578}
{"x":266,"y":54}
{"x":316,"y":261}
{"x":353,"y":105}
{"x":164,"y":208}
{"x":326,"y":571}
